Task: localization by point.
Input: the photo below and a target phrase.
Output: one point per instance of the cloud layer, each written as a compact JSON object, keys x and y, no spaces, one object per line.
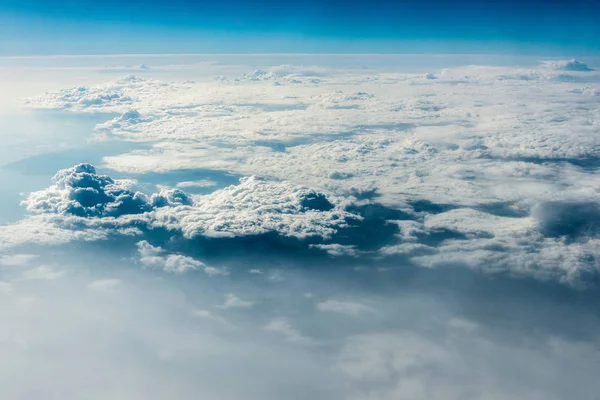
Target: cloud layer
{"x":491,"y":168}
{"x":308,"y":232}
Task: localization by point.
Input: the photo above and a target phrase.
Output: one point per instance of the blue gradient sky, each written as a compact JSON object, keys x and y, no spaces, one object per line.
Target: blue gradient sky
{"x":335,"y":26}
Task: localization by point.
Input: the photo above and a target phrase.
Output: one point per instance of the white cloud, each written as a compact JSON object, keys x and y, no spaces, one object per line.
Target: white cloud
{"x":199,"y":183}
{"x":233,"y":301}
{"x":103,"y":285}
{"x":45,"y":230}
{"x":17,"y":260}
{"x":43,"y":272}
{"x":544,"y":245}
{"x":490,"y":168}
{"x":285,"y":328}
{"x":88,"y":203}
{"x":255,"y":207}
{"x":490,"y":142}
{"x":155,"y":257}
{"x":567,"y":65}
{"x":81,"y":192}
{"x":338,"y":250}
{"x":111,"y":97}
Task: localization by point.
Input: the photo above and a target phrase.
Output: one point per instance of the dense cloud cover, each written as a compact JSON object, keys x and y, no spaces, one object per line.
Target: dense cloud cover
{"x":307,"y":232}
{"x":502,"y":176}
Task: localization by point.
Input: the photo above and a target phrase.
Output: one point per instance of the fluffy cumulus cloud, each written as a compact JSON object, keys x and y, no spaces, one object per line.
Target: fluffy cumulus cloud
{"x":256,"y":207}
{"x":493,"y":168}
{"x":112,"y":97}
{"x":155,"y":257}
{"x":80,"y":191}
{"x":82,"y":200}
{"x":567,"y":65}
{"x":559,"y":241}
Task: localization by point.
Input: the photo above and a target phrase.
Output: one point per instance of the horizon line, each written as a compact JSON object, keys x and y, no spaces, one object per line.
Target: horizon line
{"x":114,"y":55}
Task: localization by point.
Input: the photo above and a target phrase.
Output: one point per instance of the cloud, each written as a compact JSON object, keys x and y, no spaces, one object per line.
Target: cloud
{"x":567,"y":65}
{"x":379,"y":196}
{"x":84,"y":205}
{"x":284,"y":327}
{"x":155,"y":257}
{"x":206,"y":315}
{"x":350,"y":308}
{"x":338,"y":250}
{"x":85,"y":321}
{"x":281,"y":75}
{"x":114,"y":96}
{"x":17,"y":260}
{"x":43,"y":272}
{"x":81,"y":192}
{"x":407,"y":365}
{"x":466,"y":161}
{"x":233,"y":301}
{"x":544,"y":245}
{"x":571,"y":219}
{"x":45,"y":230}
{"x":201,"y":183}
{"x":257,"y":75}
{"x":103,"y":285}
{"x":254,"y":207}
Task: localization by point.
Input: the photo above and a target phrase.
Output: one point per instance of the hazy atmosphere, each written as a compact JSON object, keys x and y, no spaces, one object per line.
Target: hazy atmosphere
{"x":381,"y":213}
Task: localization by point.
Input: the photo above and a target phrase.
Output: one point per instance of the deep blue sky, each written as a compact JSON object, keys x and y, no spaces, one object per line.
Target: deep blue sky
{"x":236,"y":26}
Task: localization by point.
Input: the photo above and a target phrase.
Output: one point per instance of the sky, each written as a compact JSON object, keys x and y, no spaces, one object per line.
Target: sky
{"x":259,"y":227}
{"x":417,"y":218}
{"x":268,"y":26}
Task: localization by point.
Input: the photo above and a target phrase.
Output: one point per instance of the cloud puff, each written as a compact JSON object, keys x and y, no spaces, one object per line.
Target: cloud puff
{"x":338,"y":250}
{"x":153,"y":256}
{"x":115,"y":96}
{"x":544,"y":245}
{"x":285,"y":328}
{"x":233,"y":301}
{"x":567,"y":65}
{"x":256,"y":207}
{"x":257,"y":75}
{"x":253,"y":207}
{"x":80,"y":191}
